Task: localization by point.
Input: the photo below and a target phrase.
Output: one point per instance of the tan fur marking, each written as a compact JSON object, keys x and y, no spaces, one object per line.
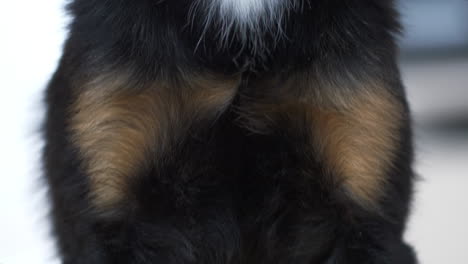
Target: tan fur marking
{"x":119,"y":130}
{"x":115,"y":136}
{"x":357,"y":143}
{"x":354,"y":132}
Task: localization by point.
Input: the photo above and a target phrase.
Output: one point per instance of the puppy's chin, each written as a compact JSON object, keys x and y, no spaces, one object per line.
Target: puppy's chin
{"x":247,"y":11}
{"x":246,"y":20}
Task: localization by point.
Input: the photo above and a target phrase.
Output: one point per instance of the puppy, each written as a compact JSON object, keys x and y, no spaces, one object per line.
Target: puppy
{"x":229,"y":131}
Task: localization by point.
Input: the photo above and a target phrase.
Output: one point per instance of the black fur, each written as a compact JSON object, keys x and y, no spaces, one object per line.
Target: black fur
{"x":225,"y":194}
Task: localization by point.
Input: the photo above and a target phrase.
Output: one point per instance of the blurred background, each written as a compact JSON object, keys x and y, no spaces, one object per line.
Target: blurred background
{"x":435,"y":70}
{"x":434,"y":64}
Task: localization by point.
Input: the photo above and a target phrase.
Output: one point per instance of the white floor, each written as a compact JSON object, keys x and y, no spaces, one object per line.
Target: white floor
{"x":438,"y":228}
{"x":29,"y":50}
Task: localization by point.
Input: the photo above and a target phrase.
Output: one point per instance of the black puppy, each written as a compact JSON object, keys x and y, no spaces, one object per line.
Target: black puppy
{"x":229,"y":131}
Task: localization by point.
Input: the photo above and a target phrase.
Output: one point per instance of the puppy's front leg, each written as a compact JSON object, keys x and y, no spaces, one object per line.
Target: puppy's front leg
{"x":356,"y":131}
{"x":108,"y":133}
{"x":121,"y":128}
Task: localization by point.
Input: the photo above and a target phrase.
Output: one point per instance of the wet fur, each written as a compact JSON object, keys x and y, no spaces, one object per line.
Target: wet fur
{"x":173,"y":139}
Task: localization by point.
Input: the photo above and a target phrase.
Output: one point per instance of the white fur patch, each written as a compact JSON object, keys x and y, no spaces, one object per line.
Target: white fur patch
{"x":246,"y":19}
{"x":247,"y":11}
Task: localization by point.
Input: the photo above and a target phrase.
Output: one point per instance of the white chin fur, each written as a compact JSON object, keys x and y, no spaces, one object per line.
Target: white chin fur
{"x":248,"y":20}
{"x":243,"y":16}
{"x":247,"y":11}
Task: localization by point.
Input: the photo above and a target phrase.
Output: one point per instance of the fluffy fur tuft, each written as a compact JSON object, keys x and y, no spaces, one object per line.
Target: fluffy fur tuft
{"x":247,"y":20}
